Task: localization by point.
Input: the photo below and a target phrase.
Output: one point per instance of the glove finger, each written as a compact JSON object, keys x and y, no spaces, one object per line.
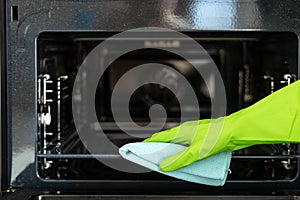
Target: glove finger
{"x":179,"y":160}
{"x":163,"y":136}
{"x":183,"y":134}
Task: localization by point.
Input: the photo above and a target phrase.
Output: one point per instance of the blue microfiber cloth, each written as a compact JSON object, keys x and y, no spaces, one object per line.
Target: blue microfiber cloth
{"x":209,"y":171}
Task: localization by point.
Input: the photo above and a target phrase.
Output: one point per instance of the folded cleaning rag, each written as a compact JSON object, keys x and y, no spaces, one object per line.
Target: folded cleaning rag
{"x":210,"y":171}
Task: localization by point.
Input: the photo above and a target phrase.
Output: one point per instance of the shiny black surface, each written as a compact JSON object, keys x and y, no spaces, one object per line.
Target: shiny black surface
{"x":94,"y":197}
{"x":3,"y":143}
{"x":36,"y":16}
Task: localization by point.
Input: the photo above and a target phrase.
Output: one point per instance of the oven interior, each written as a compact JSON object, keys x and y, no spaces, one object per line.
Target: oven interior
{"x":252,"y":65}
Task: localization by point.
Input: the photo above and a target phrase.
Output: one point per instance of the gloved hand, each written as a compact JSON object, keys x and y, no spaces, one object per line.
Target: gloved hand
{"x":273,"y":120}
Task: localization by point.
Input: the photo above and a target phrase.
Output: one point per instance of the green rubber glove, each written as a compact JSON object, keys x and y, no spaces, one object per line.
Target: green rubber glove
{"x":273,"y":120}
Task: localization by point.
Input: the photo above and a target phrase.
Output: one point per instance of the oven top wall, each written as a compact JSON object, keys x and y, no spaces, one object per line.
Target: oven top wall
{"x":27,"y":19}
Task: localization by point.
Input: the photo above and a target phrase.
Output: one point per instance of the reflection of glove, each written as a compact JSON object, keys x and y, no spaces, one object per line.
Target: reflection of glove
{"x":273,"y":120}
